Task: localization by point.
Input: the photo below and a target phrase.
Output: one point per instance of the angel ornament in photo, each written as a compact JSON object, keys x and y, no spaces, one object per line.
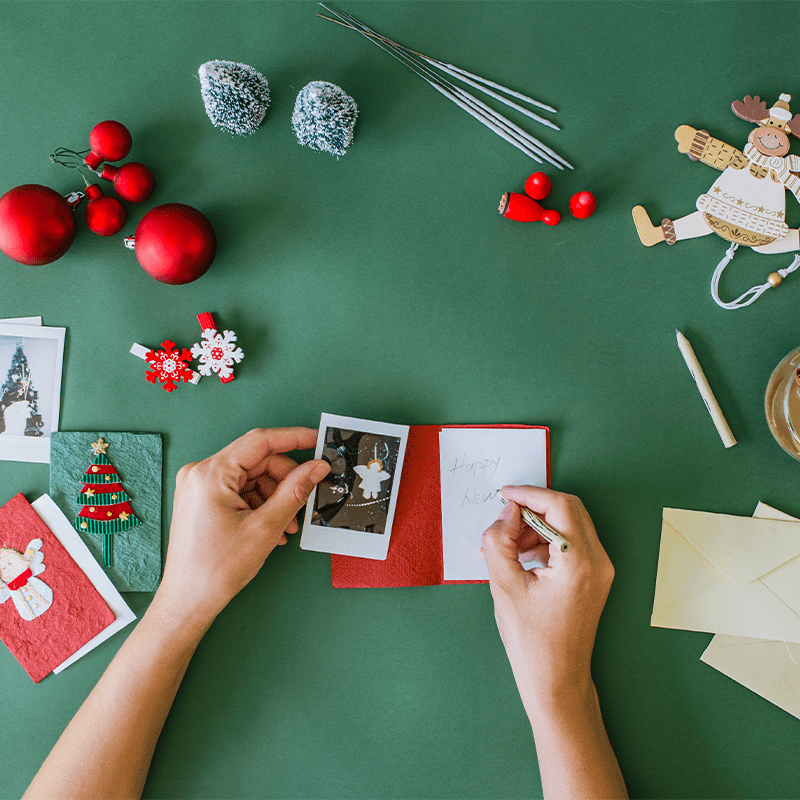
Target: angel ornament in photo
{"x":746,"y":205}
{"x":18,"y":581}
{"x":372,"y":475}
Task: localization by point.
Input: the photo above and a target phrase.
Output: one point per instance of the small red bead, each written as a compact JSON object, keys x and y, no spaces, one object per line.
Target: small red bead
{"x":538,"y":186}
{"x":582,"y":205}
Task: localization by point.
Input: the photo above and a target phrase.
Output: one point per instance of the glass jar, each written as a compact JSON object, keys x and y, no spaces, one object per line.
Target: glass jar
{"x":782,"y":404}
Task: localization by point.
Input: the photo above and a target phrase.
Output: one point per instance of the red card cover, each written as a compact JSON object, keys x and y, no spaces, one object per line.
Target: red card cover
{"x":415,"y":552}
{"x":77,"y":612}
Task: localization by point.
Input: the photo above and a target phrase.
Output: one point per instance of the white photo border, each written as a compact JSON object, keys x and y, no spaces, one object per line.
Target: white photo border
{"x":342,"y":541}
{"x":36,"y":448}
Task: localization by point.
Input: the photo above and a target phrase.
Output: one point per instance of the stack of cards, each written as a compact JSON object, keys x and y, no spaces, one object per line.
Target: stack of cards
{"x":56,"y":603}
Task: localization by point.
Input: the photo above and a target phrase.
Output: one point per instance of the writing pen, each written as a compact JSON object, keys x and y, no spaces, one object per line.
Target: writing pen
{"x":542,"y":528}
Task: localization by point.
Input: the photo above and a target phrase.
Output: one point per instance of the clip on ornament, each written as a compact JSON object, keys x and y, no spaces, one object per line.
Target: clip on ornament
{"x":169,"y":366}
{"x":218,"y":351}
{"x":746,"y":205}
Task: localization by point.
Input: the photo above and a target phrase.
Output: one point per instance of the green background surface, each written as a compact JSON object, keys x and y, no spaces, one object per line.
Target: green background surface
{"x":385,"y":285}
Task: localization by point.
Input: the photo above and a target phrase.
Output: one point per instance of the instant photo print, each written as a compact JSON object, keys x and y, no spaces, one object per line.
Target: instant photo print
{"x":31,"y":359}
{"x":352,"y":509}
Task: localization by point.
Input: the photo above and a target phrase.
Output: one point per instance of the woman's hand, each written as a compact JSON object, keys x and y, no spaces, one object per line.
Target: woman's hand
{"x":547,"y":616}
{"x":230,"y":511}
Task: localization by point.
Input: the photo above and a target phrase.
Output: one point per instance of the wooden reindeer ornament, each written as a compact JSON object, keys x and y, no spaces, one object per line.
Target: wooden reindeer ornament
{"x":746,"y":205}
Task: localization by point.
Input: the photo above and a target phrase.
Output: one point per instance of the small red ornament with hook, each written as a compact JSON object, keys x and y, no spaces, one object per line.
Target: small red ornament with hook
{"x":109,"y":141}
{"x":133,"y":181}
{"x":104,"y":215}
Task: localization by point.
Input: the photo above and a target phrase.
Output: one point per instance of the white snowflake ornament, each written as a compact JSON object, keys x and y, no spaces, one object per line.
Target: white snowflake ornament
{"x":217,"y":352}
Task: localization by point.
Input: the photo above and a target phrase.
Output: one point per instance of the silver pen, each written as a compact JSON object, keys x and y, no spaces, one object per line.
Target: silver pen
{"x":542,"y":528}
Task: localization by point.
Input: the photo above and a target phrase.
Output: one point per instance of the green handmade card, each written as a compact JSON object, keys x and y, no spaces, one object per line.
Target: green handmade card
{"x":109,"y":487}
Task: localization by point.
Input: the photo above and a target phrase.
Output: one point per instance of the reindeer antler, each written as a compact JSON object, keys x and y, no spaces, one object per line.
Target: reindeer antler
{"x":794,"y":125}
{"x":753,"y":109}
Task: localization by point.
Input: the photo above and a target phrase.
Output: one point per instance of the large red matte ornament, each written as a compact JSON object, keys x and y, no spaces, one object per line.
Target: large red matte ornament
{"x":174,"y":243}
{"x":36,"y":224}
{"x":133,"y":181}
{"x":104,"y":215}
{"x":110,"y":141}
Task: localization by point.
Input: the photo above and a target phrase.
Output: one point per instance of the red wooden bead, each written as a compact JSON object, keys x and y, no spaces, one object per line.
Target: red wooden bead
{"x":582,"y":205}
{"x":520,"y":207}
{"x":538,"y":186}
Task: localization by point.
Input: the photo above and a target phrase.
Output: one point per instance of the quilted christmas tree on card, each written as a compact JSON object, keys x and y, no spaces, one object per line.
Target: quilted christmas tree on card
{"x":106,"y":505}
{"x":108,"y":484}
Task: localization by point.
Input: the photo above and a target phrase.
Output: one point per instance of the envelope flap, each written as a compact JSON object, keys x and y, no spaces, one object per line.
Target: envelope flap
{"x":742,"y":548}
{"x":794,"y":651}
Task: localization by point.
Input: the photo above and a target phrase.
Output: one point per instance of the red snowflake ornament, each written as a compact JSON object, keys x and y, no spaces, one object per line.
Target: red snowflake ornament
{"x":169,"y":366}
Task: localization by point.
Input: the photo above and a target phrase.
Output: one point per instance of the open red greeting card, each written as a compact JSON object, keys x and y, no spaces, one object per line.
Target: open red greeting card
{"x":48,"y":607}
{"x":417,"y":553}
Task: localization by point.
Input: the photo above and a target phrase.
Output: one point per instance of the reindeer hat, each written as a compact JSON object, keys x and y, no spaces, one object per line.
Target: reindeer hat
{"x":754,"y":109}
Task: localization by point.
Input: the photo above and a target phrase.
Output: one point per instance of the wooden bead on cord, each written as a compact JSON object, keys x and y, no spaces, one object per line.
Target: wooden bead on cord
{"x":774,"y":279}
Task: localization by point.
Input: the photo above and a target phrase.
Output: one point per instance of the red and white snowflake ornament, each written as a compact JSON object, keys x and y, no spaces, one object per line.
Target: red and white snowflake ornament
{"x":217,"y":352}
{"x":169,"y":366}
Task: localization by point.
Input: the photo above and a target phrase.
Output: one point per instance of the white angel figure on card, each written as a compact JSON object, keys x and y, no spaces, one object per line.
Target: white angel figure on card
{"x":18,"y":580}
{"x":372,"y":475}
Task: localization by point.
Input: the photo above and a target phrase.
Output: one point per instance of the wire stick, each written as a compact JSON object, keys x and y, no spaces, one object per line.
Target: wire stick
{"x":465,"y":77}
{"x":514,"y":130}
{"x":472,"y":106}
{"x":486,"y":90}
{"x":476,"y":108}
{"x":494,"y":85}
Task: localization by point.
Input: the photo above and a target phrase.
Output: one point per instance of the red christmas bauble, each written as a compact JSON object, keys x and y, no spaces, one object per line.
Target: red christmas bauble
{"x":36,"y":224}
{"x":174,"y":243}
{"x":133,"y":181}
{"x":110,"y":141}
{"x":104,"y":216}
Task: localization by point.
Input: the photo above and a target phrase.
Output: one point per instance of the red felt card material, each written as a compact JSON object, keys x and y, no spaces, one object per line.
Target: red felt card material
{"x":415,"y":552}
{"x":77,"y":613}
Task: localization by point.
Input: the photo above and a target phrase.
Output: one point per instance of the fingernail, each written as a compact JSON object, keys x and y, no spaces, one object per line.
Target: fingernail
{"x":320,"y":471}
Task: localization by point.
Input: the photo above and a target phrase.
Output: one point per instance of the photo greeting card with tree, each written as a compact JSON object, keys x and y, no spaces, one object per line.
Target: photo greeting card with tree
{"x":31,"y":359}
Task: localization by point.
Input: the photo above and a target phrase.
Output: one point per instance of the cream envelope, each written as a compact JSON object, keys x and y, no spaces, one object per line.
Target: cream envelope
{"x":768,"y":668}
{"x":765,"y":667}
{"x":733,"y":575}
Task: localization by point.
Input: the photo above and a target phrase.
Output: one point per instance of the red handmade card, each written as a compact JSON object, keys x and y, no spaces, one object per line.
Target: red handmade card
{"x":415,"y":552}
{"x":48,"y":607}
